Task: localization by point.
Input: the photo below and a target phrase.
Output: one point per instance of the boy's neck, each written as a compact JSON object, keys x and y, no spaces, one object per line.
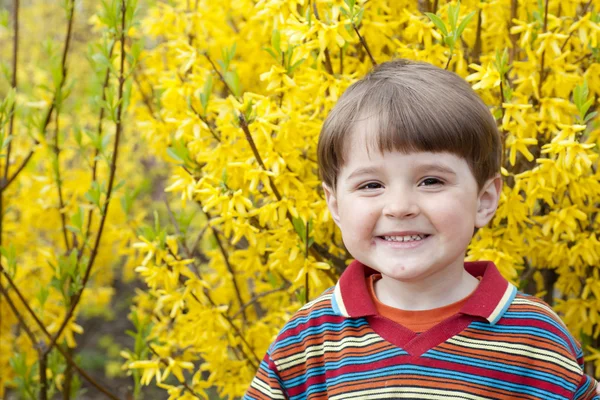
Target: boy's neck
{"x":445,"y":287}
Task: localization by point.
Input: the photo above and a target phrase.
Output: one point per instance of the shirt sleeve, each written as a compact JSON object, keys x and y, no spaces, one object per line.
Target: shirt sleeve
{"x":586,"y":389}
{"x":266,"y":384}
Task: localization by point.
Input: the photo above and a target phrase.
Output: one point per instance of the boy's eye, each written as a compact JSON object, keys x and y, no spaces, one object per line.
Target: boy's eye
{"x":370,"y":185}
{"x":430,"y":181}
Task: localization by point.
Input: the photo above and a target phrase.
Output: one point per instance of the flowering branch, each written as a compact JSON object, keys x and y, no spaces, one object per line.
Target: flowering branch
{"x":113,"y":167}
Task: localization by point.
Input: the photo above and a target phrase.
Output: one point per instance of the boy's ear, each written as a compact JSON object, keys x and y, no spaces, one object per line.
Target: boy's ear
{"x":332,"y":203}
{"x":487,"y":202}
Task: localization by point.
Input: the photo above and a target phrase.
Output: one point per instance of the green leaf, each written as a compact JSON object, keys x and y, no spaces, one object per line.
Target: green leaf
{"x":272,"y":53}
{"x":276,"y":40}
{"x":172,"y":152}
{"x":464,"y":24}
{"x":206,"y":92}
{"x":296,"y":65}
{"x":77,"y":219}
{"x":300,"y":228}
{"x":438,"y":22}
{"x":590,"y":116}
{"x":233,"y":80}
{"x":359,"y":16}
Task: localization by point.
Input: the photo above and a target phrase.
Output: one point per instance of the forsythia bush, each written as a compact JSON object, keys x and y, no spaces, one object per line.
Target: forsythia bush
{"x":233,"y":94}
{"x":66,"y":216}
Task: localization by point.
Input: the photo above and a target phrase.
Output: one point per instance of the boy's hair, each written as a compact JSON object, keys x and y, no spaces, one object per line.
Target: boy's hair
{"x":415,"y":107}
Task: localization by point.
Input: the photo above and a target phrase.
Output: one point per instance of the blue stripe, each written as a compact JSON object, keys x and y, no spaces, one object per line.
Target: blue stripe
{"x":506,"y":305}
{"x":346,"y":361}
{"x":544,"y":318}
{"x":303,"y":320}
{"x":314,"y":330}
{"x":517,"y":329}
{"x":334,"y":305}
{"x":501,"y":367}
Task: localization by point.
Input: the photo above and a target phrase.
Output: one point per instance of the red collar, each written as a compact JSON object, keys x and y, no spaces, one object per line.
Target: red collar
{"x":490,"y":300}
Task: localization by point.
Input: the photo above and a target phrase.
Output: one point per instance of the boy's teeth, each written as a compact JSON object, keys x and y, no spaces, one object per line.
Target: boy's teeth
{"x":408,"y":238}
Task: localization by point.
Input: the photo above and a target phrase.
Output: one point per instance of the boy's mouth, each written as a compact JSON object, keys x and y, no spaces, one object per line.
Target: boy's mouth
{"x":405,"y":238}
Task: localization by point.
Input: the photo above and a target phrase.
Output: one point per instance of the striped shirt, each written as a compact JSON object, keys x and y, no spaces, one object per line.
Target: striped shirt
{"x":503,"y":344}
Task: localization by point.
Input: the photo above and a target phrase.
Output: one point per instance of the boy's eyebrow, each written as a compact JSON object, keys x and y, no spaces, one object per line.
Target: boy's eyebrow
{"x":363,"y":171}
{"x":420,"y":168}
{"x":436,"y":167}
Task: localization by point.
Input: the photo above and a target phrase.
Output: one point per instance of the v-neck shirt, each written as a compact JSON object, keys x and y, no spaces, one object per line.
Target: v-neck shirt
{"x":417,"y":321}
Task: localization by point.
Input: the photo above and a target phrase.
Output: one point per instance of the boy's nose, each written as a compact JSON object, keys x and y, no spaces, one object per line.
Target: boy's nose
{"x":400,"y":208}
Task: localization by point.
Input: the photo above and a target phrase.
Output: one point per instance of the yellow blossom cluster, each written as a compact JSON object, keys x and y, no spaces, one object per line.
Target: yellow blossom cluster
{"x":232,"y":94}
{"x":57,"y":137}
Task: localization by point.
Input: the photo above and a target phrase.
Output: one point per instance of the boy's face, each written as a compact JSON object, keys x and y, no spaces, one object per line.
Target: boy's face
{"x":408,"y":216}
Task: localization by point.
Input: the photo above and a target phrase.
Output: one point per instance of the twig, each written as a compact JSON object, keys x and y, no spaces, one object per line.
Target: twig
{"x":229,"y":321}
{"x":8,"y":181}
{"x":514,"y":4}
{"x":364,"y":44}
{"x":203,"y":119}
{"x":43,"y":365}
{"x":145,"y":99}
{"x":449,"y":58}
{"x":113,"y":167}
{"x":61,"y":202}
{"x":221,"y":77}
{"x":238,"y":293}
{"x":20,"y":318}
{"x":166,"y":363}
{"x":97,"y":151}
{"x":477,"y":48}
{"x":542,"y":77}
{"x":585,"y":8}
{"x":13,"y":82}
{"x":67,"y":357}
{"x":256,"y":298}
{"x":328,"y":64}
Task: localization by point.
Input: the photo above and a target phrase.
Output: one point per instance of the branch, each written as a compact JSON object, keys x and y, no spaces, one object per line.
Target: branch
{"x":227,"y":318}
{"x":13,"y":82}
{"x":165,"y":362}
{"x":113,"y":167}
{"x":20,"y":318}
{"x":364,"y":44}
{"x":328,"y":64}
{"x":99,"y":130}
{"x":61,"y":203}
{"x":231,"y":271}
{"x":587,"y":5}
{"x":64,"y":353}
{"x":514,"y":4}
{"x":8,"y":181}
{"x":542,"y":77}
{"x":252,"y":301}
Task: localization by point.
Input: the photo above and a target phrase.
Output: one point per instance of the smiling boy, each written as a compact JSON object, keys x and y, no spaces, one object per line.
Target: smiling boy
{"x":409,"y":158}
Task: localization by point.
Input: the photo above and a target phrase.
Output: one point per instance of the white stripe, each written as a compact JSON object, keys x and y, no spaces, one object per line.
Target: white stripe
{"x":407,"y":393}
{"x":313,"y":302}
{"x":501,"y":304}
{"x":518,"y":349}
{"x":325,"y":347}
{"x":266,"y":390}
{"x":339,"y":301}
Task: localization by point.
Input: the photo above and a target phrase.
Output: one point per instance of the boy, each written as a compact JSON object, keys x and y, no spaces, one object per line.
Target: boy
{"x":409,"y":158}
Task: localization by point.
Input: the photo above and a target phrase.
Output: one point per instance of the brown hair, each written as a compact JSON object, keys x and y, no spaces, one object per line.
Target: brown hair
{"x":416,"y":107}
